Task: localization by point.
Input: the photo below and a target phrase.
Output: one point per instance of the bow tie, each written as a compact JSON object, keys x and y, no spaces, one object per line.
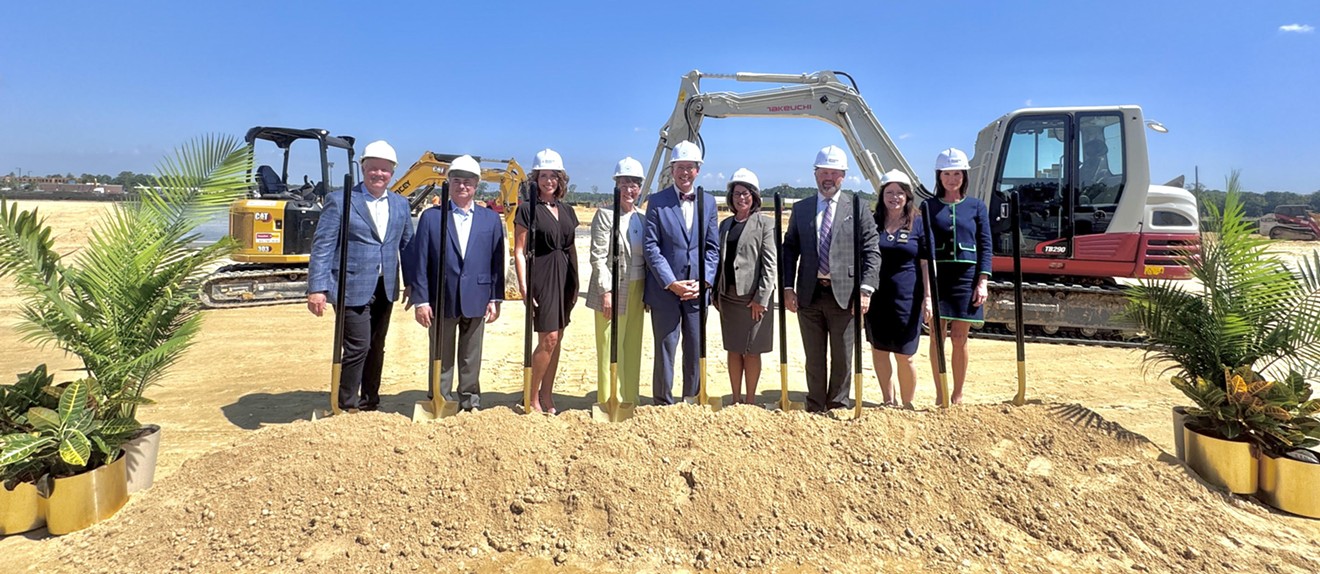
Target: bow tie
{"x":688,"y":196}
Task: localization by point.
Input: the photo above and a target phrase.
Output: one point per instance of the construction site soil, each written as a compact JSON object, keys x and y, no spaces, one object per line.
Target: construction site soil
{"x":1078,"y":480}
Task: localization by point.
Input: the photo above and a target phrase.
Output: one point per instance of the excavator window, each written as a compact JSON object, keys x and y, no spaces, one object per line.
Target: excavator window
{"x":1033,"y":166}
{"x":1100,"y":173}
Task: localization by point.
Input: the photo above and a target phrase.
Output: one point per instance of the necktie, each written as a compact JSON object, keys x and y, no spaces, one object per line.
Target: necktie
{"x":687,"y":196}
{"x":823,"y":246}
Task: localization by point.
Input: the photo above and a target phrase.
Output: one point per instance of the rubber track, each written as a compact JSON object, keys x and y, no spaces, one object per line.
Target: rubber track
{"x":247,"y":271}
{"x":1104,"y":338}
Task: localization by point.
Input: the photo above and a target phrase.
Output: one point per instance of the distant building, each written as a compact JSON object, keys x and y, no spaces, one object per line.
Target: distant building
{"x":89,"y":188}
{"x":61,"y":186}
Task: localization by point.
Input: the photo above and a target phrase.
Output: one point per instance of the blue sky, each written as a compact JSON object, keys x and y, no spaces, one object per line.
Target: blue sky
{"x":110,"y":86}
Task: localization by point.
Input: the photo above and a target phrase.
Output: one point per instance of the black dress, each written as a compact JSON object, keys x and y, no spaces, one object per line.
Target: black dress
{"x":554,"y":278}
{"x":893,"y":322}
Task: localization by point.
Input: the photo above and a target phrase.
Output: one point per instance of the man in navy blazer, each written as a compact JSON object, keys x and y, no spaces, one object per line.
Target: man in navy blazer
{"x":379,"y":228}
{"x":677,"y":257}
{"x":473,"y":264}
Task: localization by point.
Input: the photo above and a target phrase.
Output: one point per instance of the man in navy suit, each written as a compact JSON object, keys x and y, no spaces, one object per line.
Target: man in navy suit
{"x":473,"y":264}
{"x":379,"y":228}
{"x":677,"y":257}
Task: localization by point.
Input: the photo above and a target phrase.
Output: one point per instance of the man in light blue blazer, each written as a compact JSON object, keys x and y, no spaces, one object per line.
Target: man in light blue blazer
{"x":473,"y":264}
{"x":379,"y":228}
{"x":675,"y":252}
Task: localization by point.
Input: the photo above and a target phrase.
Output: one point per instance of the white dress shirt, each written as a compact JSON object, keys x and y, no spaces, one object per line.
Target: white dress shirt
{"x":462,"y":219}
{"x":379,"y":208}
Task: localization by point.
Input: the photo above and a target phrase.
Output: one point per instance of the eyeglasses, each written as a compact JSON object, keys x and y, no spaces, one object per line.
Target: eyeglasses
{"x":685,"y":168}
{"x":742,"y":193}
{"x":630,"y":186}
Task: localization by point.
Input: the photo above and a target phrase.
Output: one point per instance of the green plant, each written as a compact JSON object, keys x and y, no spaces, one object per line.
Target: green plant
{"x":126,"y":306}
{"x":55,"y":430}
{"x":1277,"y":415}
{"x":1246,"y":308}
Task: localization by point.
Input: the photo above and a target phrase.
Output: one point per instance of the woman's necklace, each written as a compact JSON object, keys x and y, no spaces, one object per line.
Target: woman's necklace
{"x":891,"y":230}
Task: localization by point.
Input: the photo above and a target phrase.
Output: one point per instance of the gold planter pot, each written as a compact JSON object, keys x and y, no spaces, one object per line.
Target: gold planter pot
{"x":21,"y":509}
{"x":1290,"y":485}
{"x":1230,"y":464}
{"x":80,"y":501}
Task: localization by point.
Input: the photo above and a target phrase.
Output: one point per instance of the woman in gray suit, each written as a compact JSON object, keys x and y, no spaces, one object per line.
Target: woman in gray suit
{"x":745,"y":284}
{"x":632,"y":271}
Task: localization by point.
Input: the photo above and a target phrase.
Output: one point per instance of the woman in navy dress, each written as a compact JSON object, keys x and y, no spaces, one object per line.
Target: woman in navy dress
{"x":893,"y":324}
{"x":961,"y":228}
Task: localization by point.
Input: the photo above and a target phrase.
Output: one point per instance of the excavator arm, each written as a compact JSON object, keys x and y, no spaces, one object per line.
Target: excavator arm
{"x":819,"y":95}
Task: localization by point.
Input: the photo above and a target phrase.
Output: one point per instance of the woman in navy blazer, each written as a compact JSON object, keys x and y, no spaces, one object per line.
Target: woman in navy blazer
{"x":963,"y":255}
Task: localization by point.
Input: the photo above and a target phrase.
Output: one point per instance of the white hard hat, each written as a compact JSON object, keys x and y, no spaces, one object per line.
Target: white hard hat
{"x":628,"y":167}
{"x":548,"y":159}
{"x":466,"y":165}
{"x":745,"y":176}
{"x":952,"y":158}
{"x":686,"y":151}
{"x":381,"y":150}
{"x":832,"y":157}
{"x":895,"y":176}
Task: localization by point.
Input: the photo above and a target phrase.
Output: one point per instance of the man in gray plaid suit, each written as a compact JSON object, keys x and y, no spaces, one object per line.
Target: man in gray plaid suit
{"x":821,"y":237}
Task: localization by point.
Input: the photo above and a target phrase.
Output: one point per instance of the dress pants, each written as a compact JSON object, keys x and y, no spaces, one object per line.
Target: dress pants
{"x":666,"y":325}
{"x":470,"y":332}
{"x":630,"y":349}
{"x":826,"y":327}
{"x":364,"y":351}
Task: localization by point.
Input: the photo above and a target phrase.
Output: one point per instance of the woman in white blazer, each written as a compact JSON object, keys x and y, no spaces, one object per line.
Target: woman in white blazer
{"x":628,"y":177}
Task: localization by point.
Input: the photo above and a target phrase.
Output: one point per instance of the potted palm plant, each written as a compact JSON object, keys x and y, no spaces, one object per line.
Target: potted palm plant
{"x":1250,"y":318}
{"x":125,"y":301}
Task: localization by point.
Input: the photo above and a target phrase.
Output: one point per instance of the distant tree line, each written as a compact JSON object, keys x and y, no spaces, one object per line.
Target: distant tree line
{"x":1256,"y":204}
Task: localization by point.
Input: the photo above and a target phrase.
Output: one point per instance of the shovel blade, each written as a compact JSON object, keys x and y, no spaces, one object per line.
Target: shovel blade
{"x":601,"y":412}
{"x":712,"y":404}
{"x":623,"y":412}
{"x":426,"y":411}
{"x":612,"y":413}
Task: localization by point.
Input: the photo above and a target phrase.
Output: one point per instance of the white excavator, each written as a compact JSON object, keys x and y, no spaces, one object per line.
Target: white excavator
{"x":1089,"y":212}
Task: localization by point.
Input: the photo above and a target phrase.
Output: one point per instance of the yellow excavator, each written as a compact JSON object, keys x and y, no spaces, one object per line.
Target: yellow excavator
{"x":275,"y":225}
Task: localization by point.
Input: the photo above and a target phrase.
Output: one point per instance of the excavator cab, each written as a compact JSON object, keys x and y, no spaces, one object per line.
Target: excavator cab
{"x":275,"y":225}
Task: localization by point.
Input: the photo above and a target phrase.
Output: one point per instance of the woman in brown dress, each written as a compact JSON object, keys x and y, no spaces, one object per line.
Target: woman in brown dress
{"x":553,"y":285}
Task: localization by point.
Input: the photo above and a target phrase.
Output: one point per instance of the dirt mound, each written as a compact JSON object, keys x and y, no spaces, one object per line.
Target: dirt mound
{"x":978,"y":488}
